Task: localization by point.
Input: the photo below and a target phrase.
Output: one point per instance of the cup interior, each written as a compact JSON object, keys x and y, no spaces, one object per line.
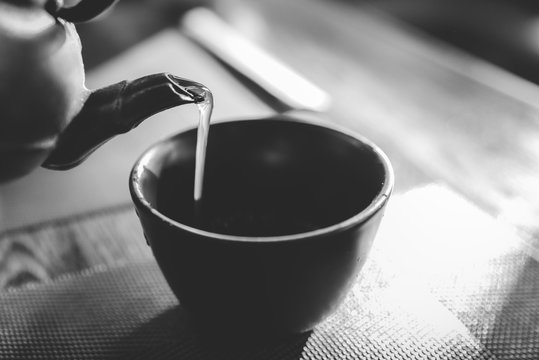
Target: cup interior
{"x":264,"y":178}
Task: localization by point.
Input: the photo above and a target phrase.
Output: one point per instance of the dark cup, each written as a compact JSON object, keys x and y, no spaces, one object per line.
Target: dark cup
{"x":290,"y":209}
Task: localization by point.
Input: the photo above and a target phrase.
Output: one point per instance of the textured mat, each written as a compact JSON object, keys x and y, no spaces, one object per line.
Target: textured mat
{"x":476,"y":266}
{"x":129,"y":312}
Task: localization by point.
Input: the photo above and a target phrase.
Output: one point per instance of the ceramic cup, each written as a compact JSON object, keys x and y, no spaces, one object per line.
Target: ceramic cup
{"x":290,"y":209}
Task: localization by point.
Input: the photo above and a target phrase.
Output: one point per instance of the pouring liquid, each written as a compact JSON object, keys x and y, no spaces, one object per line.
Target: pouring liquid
{"x":205,"y":108}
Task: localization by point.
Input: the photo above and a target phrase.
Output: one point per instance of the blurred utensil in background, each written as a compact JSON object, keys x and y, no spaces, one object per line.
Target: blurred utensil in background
{"x":271,"y":80}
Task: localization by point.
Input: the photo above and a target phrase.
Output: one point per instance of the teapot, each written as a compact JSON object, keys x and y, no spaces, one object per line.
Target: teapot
{"x":47,"y":115}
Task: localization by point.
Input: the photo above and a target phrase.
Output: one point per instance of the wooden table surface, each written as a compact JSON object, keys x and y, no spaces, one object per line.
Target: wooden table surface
{"x":446,"y":120}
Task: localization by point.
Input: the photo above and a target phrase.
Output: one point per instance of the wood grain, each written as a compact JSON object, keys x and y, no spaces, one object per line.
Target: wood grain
{"x":49,"y":250}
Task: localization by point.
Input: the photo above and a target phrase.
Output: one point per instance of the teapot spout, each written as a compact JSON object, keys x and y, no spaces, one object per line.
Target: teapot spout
{"x":115,"y":110}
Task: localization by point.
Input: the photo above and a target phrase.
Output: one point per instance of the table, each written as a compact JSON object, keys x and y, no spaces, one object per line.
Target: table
{"x":455,"y":266}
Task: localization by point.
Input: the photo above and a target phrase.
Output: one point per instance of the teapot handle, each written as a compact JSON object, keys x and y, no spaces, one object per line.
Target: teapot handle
{"x":85,"y":10}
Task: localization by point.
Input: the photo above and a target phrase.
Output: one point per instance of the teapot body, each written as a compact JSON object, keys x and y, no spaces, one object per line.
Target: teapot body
{"x":41,"y":85}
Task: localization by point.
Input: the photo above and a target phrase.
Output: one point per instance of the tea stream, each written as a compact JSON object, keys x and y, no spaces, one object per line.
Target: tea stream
{"x":205,"y":108}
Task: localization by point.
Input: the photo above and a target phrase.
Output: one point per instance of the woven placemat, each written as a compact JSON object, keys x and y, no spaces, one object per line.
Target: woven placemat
{"x":476,"y":266}
{"x":129,"y":312}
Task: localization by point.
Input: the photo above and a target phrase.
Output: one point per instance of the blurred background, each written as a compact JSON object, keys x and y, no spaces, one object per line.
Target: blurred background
{"x":503,"y":32}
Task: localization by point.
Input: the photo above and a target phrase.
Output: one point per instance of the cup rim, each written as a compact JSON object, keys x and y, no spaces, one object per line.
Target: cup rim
{"x":359,"y":218}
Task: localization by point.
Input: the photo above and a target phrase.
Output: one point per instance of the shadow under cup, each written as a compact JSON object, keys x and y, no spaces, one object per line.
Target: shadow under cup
{"x":289,"y":212}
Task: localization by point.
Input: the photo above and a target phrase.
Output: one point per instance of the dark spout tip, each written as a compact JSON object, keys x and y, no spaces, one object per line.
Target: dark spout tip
{"x":191,"y":89}
{"x":198,"y":96}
